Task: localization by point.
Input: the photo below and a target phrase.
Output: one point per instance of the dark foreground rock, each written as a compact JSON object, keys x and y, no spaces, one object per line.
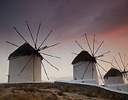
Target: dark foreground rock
{"x":41,"y":94}
{"x":56,"y":91}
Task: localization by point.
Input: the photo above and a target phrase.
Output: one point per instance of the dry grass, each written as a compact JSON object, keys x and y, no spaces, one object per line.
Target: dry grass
{"x":40,"y":94}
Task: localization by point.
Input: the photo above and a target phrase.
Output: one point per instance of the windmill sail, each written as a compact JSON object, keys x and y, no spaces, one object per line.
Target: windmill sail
{"x":85,"y":64}
{"x":25,"y":62}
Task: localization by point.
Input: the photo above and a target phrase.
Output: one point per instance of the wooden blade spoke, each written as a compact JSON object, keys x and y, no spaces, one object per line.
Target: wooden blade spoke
{"x":126,"y":63}
{"x":121,"y":59}
{"x":99,"y":47}
{"x":101,"y":67}
{"x":88,"y":44}
{"x":114,"y":66}
{"x":117,"y":63}
{"x":93,"y":43}
{"x":37,"y":35}
{"x":25,"y":65}
{"x":45,"y":47}
{"x":51,"y":55}
{"x":126,"y":66}
{"x":86,"y":70}
{"x":79,"y":45}
{"x":100,"y":74}
{"x":45,"y":39}
{"x":104,"y":61}
{"x":51,"y":64}
{"x":30,"y":32}
{"x":99,"y":56}
{"x":52,"y":45}
{"x":19,"y":34}
{"x":48,"y":46}
{"x":12,"y":44}
{"x":103,"y":54}
{"x":45,"y":70}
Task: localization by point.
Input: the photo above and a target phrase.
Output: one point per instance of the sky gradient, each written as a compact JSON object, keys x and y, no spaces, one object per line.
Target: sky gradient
{"x":69,"y":20}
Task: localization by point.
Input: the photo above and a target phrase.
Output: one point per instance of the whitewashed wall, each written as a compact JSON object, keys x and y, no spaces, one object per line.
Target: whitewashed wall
{"x":78,"y":71}
{"x":16,"y":65}
{"x":92,"y":81}
{"x":120,"y":87}
{"x":114,"y":80}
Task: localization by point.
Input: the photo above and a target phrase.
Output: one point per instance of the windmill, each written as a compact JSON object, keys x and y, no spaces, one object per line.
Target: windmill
{"x":26,"y":61}
{"x":120,"y":65}
{"x":86,"y":65}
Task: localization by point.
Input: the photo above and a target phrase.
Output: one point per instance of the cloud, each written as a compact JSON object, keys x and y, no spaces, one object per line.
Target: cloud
{"x":68,"y":16}
{"x":113,"y":15}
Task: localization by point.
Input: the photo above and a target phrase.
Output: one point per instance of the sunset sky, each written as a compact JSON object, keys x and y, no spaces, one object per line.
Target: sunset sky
{"x":69,"y":20}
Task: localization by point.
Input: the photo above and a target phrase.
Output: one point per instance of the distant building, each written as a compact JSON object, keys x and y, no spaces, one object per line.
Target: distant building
{"x":113,"y":76}
{"x":84,"y":67}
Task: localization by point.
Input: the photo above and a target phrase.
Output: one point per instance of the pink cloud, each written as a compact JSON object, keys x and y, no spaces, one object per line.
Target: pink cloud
{"x":118,"y":36}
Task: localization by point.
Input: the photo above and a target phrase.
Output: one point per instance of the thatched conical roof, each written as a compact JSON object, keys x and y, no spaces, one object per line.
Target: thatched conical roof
{"x":112,"y":73}
{"x":24,"y":50}
{"x":82,"y":56}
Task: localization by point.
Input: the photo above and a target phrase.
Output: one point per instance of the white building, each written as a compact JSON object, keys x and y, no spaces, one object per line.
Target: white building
{"x":24,"y":64}
{"x":113,"y":76}
{"x":84,"y":68}
{"x":114,"y":80}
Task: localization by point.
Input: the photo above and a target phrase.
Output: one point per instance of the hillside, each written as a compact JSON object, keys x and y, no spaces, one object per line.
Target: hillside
{"x":56,"y":91}
{"x":41,"y":94}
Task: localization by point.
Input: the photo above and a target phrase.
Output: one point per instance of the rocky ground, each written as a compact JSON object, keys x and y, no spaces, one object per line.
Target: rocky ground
{"x":42,"y":94}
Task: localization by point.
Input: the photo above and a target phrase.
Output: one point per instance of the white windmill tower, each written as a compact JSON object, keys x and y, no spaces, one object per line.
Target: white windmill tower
{"x":26,"y":61}
{"x":117,"y":75}
{"x":86,"y":65}
{"x":113,"y":76}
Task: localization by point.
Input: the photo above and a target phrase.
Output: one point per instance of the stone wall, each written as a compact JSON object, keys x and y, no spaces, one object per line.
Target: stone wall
{"x":88,"y":90}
